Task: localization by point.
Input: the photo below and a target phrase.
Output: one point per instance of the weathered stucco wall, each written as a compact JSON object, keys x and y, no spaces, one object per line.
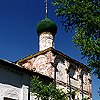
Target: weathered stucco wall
{"x":69,"y":76}
{"x":46,"y":40}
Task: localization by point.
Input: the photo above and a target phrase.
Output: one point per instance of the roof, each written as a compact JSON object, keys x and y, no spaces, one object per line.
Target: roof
{"x":22,"y":69}
{"x":55,"y":52}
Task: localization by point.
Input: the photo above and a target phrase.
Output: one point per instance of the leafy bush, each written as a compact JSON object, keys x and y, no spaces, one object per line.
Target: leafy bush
{"x":46,"y":92}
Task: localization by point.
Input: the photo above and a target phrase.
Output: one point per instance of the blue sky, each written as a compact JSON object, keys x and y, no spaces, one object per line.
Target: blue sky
{"x":18,"y":37}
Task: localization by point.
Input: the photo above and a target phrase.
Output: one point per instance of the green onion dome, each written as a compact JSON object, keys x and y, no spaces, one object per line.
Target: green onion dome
{"x":46,"y":25}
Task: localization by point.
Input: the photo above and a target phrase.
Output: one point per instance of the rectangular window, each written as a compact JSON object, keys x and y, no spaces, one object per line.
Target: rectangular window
{"x":8,"y":98}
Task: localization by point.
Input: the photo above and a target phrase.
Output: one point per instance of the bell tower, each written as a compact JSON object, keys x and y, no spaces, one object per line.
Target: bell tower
{"x":46,"y":30}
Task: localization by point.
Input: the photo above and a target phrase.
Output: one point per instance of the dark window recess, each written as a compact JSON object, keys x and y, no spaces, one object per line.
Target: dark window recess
{"x":8,"y":98}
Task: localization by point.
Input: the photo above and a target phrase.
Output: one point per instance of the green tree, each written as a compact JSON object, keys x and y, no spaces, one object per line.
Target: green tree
{"x":83,"y":16}
{"x":99,"y":91}
{"x":46,"y":91}
{"x":71,"y":94}
{"x":85,"y":99}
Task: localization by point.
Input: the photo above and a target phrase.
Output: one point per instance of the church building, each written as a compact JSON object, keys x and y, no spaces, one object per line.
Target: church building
{"x":49,"y":63}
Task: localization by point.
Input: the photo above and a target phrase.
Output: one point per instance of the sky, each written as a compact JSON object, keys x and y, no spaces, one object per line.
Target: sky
{"x":18,"y":36}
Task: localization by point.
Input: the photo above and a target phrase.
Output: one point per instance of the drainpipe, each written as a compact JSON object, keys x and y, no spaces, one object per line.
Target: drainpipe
{"x":55,"y":76}
{"x":29,"y":88}
{"x":82,"y":87}
{"x":69,"y":87}
{"x":55,"y":70}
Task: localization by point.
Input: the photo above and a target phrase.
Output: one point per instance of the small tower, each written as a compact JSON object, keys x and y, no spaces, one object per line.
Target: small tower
{"x":46,"y":30}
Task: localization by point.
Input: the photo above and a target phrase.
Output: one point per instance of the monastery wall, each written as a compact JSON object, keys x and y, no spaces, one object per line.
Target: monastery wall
{"x":13,"y":84}
{"x":68,"y":75}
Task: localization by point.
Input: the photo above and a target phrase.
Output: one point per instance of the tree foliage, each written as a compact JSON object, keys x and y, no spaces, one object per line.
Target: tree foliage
{"x":99,"y":91}
{"x":85,"y":99}
{"x":84,"y":17}
{"x":46,"y":92}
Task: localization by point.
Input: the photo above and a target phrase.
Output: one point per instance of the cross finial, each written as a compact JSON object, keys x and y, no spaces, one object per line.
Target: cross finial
{"x":46,"y":1}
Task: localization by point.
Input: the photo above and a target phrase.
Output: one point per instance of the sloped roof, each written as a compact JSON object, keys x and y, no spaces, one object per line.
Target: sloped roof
{"x":12,"y":65}
{"x":22,"y":69}
{"x":55,"y":52}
